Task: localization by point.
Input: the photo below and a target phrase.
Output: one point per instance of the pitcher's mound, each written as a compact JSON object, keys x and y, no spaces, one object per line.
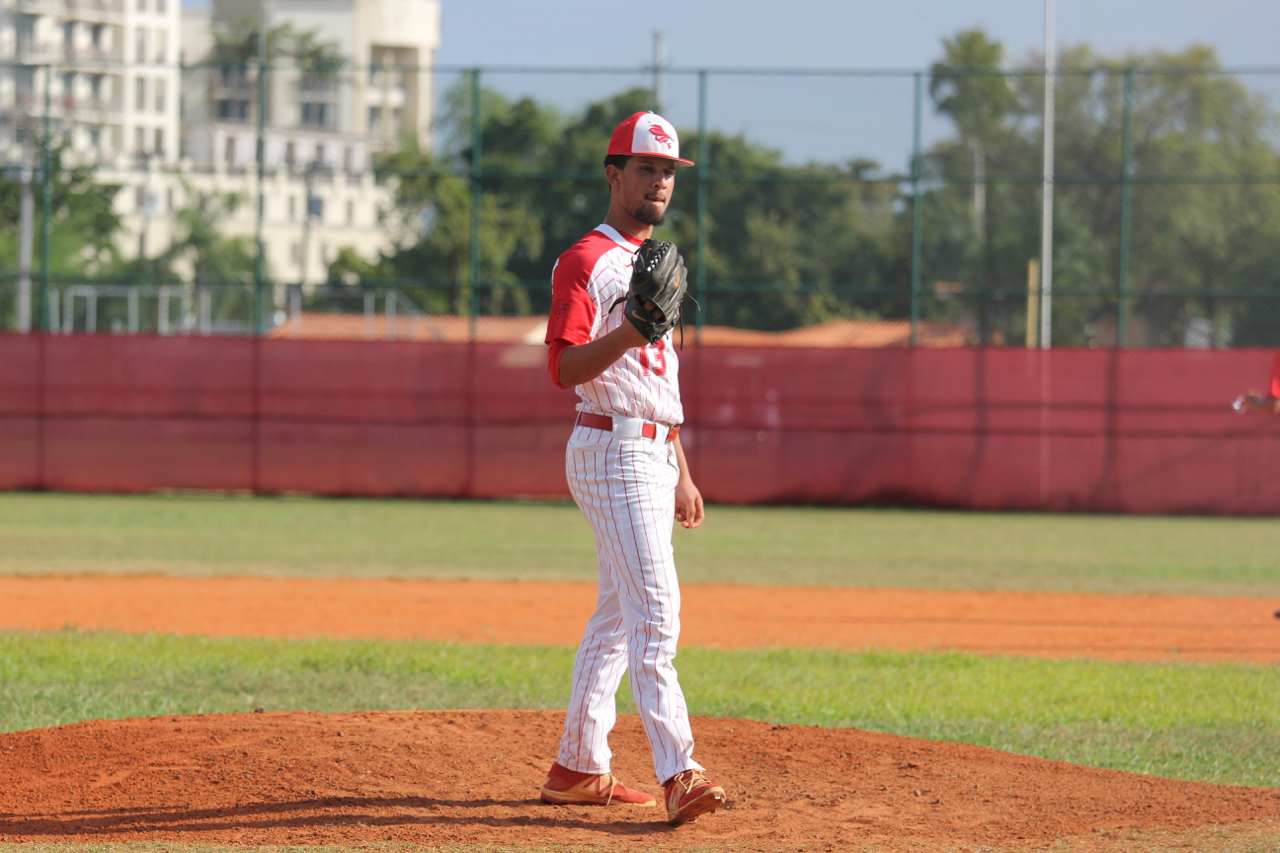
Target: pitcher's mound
{"x":471,"y":777}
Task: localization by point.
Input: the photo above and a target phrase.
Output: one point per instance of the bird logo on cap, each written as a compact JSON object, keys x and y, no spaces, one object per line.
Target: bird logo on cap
{"x":661,"y":135}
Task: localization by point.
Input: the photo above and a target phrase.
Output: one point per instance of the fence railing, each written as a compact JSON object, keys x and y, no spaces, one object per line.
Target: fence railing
{"x":859,"y":209}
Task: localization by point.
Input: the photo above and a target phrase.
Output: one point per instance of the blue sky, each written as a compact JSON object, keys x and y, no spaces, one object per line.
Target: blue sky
{"x":829,"y":119}
{"x":849,"y":34}
{"x":823,"y":119}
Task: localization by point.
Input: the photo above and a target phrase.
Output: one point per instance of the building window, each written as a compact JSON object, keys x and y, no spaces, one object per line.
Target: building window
{"x":26,"y":33}
{"x":140,"y":93}
{"x":233,"y":110}
{"x":69,"y":37}
{"x":159,"y":149}
{"x":140,"y":140}
{"x":95,"y":36}
{"x":162,"y":45}
{"x":69,"y":89}
{"x":95,"y":138}
{"x":229,"y":150}
{"x":24,"y":85}
{"x":142,"y":5}
{"x":351,"y":212}
{"x":160,"y":7}
{"x":315,"y":114}
{"x":375,"y":118}
{"x":140,"y":45}
{"x":161,"y":95}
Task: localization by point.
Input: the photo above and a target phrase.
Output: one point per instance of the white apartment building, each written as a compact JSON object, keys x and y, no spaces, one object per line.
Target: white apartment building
{"x":103,"y":72}
{"x":321,"y":130}
{"x":139,"y":88}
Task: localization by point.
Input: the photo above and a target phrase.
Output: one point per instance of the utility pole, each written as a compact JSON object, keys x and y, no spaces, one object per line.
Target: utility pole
{"x":148,"y":206}
{"x":312,"y":209}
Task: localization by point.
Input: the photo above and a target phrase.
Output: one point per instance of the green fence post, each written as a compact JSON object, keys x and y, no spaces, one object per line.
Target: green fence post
{"x":1126,"y":170}
{"x":704,"y":173}
{"x":46,"y":205}
{"x":476,"y":174}
{"x":916,"y":210}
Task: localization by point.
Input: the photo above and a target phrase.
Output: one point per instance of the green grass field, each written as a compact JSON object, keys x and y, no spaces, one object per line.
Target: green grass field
{"x":1218,"y":723}
{"x":309,"y":537}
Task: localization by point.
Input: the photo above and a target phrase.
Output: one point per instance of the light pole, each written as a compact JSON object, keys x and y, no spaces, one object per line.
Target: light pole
{"x":1046,"y":223}
{"x":26,"y":235}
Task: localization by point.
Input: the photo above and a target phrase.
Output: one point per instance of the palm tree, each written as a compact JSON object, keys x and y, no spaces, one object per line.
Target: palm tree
{"x":968,"y":86}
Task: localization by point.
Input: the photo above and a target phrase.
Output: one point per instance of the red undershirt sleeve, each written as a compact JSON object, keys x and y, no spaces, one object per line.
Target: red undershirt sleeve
{"x":573,"y":312}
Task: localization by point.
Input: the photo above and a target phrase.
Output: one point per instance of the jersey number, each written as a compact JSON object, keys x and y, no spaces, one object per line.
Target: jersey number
{"x":658,"y":361}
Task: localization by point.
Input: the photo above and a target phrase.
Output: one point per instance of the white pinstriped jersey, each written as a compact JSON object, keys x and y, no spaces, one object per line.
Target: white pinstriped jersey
{"x":587,"y":283}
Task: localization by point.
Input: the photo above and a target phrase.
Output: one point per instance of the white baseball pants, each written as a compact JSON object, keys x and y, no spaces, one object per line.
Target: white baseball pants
{"x":626,"y":489}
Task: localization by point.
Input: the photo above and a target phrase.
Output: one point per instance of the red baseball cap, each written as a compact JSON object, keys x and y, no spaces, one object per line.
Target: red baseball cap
{"x":647,"y":135}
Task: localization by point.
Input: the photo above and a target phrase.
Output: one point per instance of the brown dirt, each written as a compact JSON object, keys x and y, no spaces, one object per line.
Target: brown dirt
{"x":438,"y":778}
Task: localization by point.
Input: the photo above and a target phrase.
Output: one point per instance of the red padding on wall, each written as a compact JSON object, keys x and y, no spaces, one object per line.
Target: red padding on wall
{"x":1147,"y":431}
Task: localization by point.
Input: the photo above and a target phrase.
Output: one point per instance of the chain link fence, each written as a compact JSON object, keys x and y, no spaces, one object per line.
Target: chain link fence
{"x":310,"y":198}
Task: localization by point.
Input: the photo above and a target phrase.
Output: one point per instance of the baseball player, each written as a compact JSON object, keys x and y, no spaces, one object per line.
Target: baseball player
{"x":609,"y":339}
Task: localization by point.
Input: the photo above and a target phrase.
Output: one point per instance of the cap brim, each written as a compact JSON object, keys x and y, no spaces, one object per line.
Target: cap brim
{"x":679,"y":160}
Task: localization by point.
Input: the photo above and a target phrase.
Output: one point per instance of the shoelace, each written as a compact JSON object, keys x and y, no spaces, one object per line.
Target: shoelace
{"x":690,"y":780}
{"x":608,"y":778}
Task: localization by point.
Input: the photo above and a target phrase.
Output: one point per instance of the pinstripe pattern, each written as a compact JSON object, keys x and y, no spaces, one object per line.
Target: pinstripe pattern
{"x":626,"y":489}
{"x":644,"y":383}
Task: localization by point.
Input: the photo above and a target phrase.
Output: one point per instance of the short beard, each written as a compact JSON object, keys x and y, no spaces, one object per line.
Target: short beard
{"x":649,"y":214}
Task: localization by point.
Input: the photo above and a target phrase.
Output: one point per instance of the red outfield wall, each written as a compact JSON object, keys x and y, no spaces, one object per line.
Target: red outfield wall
{"x":1092,"y":430}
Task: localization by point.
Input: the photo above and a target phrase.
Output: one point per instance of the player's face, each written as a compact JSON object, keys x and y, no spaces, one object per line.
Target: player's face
{"x":645,"y":186}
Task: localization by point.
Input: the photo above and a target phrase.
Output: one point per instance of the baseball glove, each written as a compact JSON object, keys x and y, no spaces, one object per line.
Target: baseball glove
{"x":659,"y":275}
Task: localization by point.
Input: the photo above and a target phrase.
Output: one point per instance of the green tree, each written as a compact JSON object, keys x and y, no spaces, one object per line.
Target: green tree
{"x":83,"y":224}
{"x":814,"y":230}
{"x":969,"y":87}
{"x":1204,"y":213}
{"x":1203,"y":202}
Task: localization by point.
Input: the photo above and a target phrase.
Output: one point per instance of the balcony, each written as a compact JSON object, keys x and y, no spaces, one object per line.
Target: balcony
{"x":32,"y":52}
{"x":92,"y":109}
{"x":41,"y":7}
{"x":95,"y":55}
{"x":94,"y":8}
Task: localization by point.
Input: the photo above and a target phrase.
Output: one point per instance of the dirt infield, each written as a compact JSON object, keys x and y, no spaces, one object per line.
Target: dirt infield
{"x":1148,"y":627}
{"x":436,"y":778}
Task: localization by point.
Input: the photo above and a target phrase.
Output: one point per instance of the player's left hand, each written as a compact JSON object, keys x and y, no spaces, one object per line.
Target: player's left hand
{"x":689,"y":509}
{"x":1251,"y":402}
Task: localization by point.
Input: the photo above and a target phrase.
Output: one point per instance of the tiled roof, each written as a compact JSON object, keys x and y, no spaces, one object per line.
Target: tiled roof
{"x":532,"y":330}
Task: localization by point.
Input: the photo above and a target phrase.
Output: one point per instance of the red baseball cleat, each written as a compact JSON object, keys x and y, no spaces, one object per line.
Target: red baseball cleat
{"x":690,"y":795}
{"x":565,"y":787}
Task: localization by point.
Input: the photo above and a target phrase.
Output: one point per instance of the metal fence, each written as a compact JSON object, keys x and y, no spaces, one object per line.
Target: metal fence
{"x":828,"y":208}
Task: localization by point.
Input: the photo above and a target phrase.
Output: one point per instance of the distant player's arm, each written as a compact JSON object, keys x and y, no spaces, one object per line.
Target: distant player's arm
{"x":1257,"y":403}
{"x":1254,"y":403}
{"x":689,"y":509}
